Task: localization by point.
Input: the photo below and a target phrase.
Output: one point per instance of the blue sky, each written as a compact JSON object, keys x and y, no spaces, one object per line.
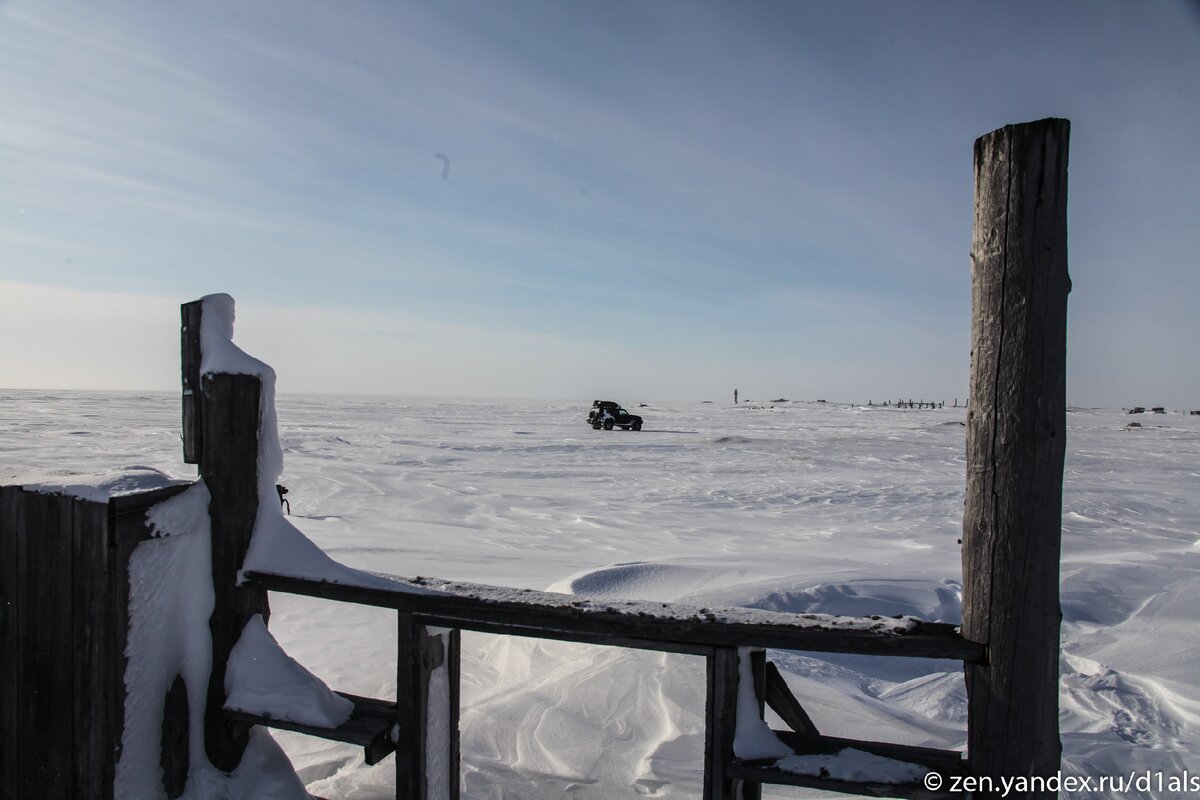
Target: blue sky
{"x":645,"y":200}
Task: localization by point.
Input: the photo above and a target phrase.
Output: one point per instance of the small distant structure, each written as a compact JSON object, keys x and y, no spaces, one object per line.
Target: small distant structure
{"x":735,"y":397}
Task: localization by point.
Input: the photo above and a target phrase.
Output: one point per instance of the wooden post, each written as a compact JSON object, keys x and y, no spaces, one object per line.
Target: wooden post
{"x":720,"y":720}
{"x":189,"y":359}
{"x":229,"y":468}
{"x":1016,"y":436}
{"x":426,"y":769}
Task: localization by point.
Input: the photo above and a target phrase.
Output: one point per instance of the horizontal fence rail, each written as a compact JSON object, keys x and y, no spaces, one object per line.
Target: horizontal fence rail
{"x":648,"y":626}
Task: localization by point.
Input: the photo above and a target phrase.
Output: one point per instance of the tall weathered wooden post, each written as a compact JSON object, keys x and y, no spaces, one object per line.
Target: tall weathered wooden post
{"x":1016,"y":437}
{"x":221,"y":428}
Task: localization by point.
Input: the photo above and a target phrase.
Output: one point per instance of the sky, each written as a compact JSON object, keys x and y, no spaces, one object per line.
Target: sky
{"x":638,"y":201}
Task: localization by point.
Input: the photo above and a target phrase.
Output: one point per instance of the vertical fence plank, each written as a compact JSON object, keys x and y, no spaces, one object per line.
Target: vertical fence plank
{"x":95,"y":661}
{"x":10,"y":686}
{"x":720,"y":720}
{"x":229,"y":467}
{"x":44,"y":717}
{"x":454,"y":675}
{"x":1016,"y":436}
{"x":427,"y":757}
{"x":752,"y":790}
{"x":410,"y":710}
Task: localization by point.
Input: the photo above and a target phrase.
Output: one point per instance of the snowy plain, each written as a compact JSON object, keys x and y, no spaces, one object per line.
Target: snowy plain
{"x":798,"y":506}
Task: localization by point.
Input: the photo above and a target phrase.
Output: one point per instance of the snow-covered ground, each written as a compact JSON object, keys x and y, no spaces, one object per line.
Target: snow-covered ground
{"x":785,"y":506}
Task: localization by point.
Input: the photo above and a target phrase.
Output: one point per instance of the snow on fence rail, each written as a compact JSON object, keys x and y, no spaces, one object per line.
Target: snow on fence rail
{"x":137,"y":660}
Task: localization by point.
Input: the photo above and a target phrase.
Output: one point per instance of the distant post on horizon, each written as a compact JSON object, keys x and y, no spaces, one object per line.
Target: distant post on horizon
{"x":735,"y":397}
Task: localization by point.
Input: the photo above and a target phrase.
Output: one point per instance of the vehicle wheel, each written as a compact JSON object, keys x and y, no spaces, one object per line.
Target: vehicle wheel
{"x":608,"y":424}
{"x":595,"y":426}
{"x":637,"y":426}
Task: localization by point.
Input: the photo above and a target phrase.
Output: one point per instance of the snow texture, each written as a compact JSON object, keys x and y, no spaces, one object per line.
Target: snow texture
{"x":170,"y":601}
{"x":804,"y":508}
{"x":437,"y":728}
{"x":100,"y":487}
{"x":261,"y":679}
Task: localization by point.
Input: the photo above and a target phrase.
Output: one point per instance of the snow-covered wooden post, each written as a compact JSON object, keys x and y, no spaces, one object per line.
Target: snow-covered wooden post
{"x":427,"y":685}
{"x":1016,"y":436}
{"x":225,"y":426}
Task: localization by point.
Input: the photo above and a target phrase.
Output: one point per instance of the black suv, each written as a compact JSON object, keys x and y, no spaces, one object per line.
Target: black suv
{"x":607,"y":414}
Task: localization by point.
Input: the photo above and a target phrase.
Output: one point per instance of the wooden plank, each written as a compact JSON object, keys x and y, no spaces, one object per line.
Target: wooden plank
{"x":454,"y":665}
{"x":947,"y":763}
{"x":93,"y":659}
{"x":1016,"y":442}
{"x":10,"y":613}
{"x":369,"y":727}
{"x":410,"y":710}
{"x":545,"y":615}
{"x":229,"y":467}
{"x":720,"y":721}
{"x":769,"y":774}
{"x":45,"y":740}
{"x":781,"y":700}
{"x":190,"y":355}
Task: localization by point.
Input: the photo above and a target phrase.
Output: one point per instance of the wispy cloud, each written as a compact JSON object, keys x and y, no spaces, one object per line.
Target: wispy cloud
{"x":665,"y":168}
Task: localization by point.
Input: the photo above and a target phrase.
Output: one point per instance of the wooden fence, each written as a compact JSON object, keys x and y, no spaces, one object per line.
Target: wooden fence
{"x":64,"y":592}
{"x":64,"y":578}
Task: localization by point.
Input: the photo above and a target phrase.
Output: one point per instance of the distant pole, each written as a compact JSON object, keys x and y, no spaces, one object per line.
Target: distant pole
{"x":1016,"y":437}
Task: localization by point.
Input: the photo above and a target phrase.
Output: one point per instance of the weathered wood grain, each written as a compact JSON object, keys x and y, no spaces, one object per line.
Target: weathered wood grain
{"x":720,"y":712}
{"x":45,"y":730}
{"x":1016,"y":436}
{"x":229,"y":467}
{"x":541,"y":615}
{"x":193,"y":409}
{"x":10,"y":615}
{"x":92,"y":654}
{"x":781,"y":700}
{"x":370,"y":726}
